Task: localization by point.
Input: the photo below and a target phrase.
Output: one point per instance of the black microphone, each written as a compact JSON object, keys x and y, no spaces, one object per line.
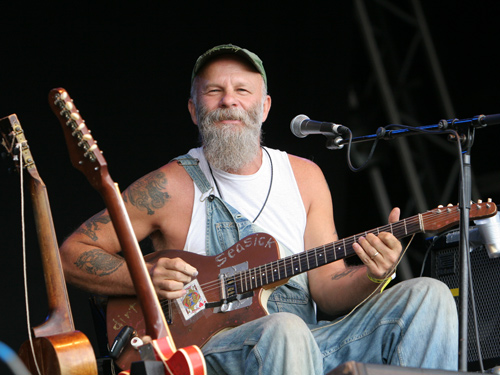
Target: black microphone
{"x":301,"y":126}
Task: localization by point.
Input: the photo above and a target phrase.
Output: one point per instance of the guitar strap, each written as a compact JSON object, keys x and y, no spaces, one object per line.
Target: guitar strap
{"x":226,"y":226}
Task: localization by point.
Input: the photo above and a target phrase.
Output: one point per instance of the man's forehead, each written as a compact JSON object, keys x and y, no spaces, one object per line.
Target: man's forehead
{"x":227,"y":63}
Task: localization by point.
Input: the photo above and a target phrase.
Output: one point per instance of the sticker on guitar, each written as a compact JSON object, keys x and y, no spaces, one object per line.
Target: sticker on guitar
{"x":193,"y":302}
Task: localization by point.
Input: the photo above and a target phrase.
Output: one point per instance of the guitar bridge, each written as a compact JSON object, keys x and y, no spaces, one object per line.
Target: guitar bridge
{"x":230,"y":299}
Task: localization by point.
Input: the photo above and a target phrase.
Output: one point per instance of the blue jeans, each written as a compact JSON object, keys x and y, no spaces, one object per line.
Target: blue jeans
{"x":412,"y":324}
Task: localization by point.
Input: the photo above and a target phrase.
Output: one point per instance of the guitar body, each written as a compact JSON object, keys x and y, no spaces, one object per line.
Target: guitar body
{"x":62,"y":354}
{"x":252,"y":251}
{"x":188,"y":360}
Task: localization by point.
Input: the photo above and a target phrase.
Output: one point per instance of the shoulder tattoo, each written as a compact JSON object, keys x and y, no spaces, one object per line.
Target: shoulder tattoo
{"x":148,"y":193}
{"x":98,"y":262}
{"x":91,"y":226}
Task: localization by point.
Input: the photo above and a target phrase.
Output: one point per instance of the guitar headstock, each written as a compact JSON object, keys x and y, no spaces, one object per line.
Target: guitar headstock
{"x":442,"y":217}
{"x":15,"y":143}
{"x":83,"y":150}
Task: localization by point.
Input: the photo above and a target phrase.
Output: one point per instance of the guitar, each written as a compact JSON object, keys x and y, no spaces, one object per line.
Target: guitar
{"x":232,"y":284}
{"x":86,"y":157}
{"x":58,"y":348}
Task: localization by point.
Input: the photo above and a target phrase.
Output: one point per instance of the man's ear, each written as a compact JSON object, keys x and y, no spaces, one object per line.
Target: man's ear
{"x":267,"y":107}
{"x":192,"y":111}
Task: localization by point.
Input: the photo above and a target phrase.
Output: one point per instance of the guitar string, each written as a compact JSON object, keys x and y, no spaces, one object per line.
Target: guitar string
{"x":246,"y":276}
{"x":25,"y":268}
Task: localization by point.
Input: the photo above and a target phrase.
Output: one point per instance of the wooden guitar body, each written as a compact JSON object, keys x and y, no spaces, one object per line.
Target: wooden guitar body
{"x":65,"y":353}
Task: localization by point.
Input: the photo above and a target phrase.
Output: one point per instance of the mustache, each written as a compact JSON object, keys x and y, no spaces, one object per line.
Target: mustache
{"x":227,"y":114}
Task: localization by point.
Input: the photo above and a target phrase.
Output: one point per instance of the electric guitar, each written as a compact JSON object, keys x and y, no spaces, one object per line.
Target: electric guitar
{"x":57,"y":347}
{"x":230,"y":287}
{"x":86,"y":157}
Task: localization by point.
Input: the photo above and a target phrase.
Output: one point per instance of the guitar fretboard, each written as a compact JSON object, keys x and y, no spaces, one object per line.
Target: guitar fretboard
{"x":292,"y":265}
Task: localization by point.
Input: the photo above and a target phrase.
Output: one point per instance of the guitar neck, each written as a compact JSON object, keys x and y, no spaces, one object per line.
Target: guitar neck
{"x":156,"y":325}
{"x":60,"y":319}
{"x":296,"y":264}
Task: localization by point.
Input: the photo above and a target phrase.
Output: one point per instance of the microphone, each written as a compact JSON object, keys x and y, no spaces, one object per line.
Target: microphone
{"x":301,"y":126}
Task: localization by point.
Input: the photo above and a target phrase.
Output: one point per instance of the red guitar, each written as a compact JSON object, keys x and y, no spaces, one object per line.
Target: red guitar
{"x":86,"y":157}
{"x":57,"y":348}
{"x":232,"y":285}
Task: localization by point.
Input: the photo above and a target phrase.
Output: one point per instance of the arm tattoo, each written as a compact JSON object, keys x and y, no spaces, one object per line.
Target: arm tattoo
{"x":348,"y":272}
{"x":91,"y":226}
{"x":148,"y":192}
{"x":98,"y":262}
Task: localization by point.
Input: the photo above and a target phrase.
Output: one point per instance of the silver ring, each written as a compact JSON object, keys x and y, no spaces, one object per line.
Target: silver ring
{"x":374,"y":255}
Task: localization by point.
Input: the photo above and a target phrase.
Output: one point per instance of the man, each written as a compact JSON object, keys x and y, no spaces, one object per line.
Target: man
{"x":246,"y":188}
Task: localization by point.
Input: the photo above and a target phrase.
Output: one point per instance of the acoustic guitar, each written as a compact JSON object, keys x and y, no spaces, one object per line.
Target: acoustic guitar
{"x":58,"y":348}
{"x":231,"y":287}
{"x":86,"y":157}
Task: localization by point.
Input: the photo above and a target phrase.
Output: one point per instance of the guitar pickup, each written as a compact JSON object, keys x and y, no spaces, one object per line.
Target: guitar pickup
{"x":235,"y":302}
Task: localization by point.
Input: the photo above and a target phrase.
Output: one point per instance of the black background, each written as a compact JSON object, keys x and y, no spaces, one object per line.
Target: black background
{"x":128,"y":69}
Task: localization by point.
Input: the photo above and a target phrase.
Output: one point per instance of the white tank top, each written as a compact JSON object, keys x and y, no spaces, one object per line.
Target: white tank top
{"x":283,"y":216}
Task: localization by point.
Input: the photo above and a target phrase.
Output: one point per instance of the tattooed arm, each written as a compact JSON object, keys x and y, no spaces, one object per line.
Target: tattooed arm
{"x":90,"y":267}
{"x":335,"y":287}
{"x":90,"y":256}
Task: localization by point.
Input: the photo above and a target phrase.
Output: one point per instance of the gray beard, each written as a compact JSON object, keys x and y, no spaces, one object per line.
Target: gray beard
{"x":226,"y":146}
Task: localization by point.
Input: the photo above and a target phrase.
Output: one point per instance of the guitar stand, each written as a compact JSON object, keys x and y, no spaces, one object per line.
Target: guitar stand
{"x":465,"y":130}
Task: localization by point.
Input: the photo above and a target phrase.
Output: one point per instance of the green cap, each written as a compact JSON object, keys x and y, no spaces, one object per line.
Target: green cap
{"x":229,"y":49}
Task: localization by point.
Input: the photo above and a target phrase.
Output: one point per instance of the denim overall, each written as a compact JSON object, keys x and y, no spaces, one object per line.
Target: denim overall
{"x":226,"y":226}
{"x":414,"y":323}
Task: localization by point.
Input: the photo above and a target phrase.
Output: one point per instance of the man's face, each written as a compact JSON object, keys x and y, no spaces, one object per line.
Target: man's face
{"x":228,"y":82}
{"x":229,"y":107}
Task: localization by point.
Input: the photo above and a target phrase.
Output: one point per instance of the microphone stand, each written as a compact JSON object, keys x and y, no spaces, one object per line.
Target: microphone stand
{"x":466,"y":132}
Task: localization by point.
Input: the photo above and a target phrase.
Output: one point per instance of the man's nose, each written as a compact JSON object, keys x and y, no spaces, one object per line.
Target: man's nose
{"x":228,"y":100}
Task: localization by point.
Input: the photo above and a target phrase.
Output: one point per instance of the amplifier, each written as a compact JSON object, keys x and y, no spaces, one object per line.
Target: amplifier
{"x":445,"y":266}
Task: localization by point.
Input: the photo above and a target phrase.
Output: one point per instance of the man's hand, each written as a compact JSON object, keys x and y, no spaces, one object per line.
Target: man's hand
{"x":169,"y":277}
{"x":379,"y":253}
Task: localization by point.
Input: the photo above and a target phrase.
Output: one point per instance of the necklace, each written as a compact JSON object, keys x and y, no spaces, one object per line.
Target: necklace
{"x":268,"y":191}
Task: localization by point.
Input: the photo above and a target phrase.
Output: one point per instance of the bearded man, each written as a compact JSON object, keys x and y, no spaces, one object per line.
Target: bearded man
{"x":231,"y":187}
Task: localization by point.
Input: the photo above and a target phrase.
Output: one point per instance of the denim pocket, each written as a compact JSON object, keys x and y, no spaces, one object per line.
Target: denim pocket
{"x":292,"y":298}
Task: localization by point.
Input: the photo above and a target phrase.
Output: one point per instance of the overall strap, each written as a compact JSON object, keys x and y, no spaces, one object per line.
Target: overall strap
{"x":191,"y":165}
{"x":225,"y":224}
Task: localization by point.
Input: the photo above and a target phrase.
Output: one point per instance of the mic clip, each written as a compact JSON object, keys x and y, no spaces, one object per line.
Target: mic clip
{"x":333,"y":142}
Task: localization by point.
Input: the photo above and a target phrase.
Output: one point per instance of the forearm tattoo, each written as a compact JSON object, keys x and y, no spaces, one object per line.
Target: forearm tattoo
{"x":349,"y":271}
{"x":98,"y":262}
{"x":91,"y":226}
{"x":148,"y":193}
